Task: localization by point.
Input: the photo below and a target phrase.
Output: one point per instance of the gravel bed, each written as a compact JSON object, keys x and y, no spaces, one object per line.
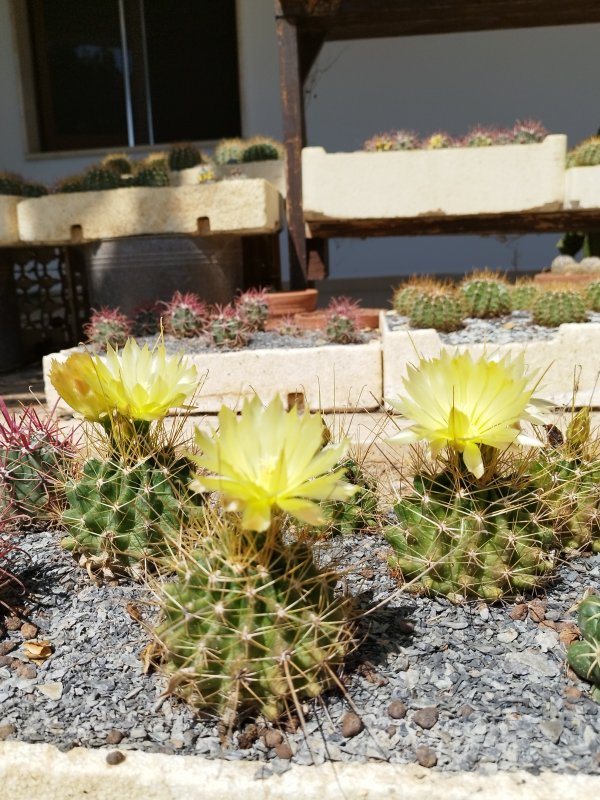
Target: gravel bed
{"x":456,"y":688}
{"x":514,"y":327}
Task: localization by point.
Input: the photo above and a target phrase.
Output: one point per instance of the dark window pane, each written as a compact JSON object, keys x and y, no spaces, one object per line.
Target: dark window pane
{"x":192,"y":54}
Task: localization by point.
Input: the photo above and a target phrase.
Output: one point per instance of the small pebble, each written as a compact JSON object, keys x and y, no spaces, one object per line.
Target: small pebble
{"x":405,"y":626}
{"x":426,"y":717}
{"x":283,"y":750}
{"x":52,"y":690}
{"x":272,"y":737}
{"x":115,"y":757}
{"x":396,"y":709}
{"x":7,"y":661}
{"x":114,"y":736}
{"x":7,"y":647}
{"x":29,"y":631}
{"x":572,"y":693}
{"x":6,"y":731}
{"x":27,"y":671}
{"x":426,"y":757}
{"x":466,"y":711}
{"x":519,"y":611}
{"x":352,"y":725}
{"x":12,"y":623}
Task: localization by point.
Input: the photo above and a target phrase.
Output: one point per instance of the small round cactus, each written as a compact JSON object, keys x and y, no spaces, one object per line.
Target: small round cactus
{"x":486,"y":295}
{"x":584,"y":656}
{"x":480,"y":136}
{"x":438,"y":141}
{"x":253,"y":308}
{"x":523,"y":294}
{"x":151,"y":175}
{"x":227,"y":328}
{"x":119,"y":162}
{"x":441,"y":308}
{"x":229,"y":151}
{"x":107,"y":326}
{"x":392,"y":140}
{"x":185,"y":315}
{"x":262,"y":149}
{"x":528,"y":131}
{"x":586,"y":154}
{"x":406,"y":294}
{"x":95,"y":179}
{"x":342,"y":321}
{"x":558,"y":306}
{"x":592,"y":296}
{"x":184,"y":156}
{"x":288,"y":327}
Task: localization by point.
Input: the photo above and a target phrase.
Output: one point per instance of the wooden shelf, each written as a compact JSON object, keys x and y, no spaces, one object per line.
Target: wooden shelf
{"x":480,"y":224}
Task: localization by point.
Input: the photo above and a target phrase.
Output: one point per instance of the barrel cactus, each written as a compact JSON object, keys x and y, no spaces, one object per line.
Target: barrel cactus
{"x":405,"y":295}
{"x":559,"y":306}
{"x":185,"y":315}
{"x":250,"y":629}
{"x":469,"y":541}
{"x":359,"y":513}
{"x":442,"y":308}
{"x":253,"y":308}
{"x":592,"y":296}
{"x":528,"y":131}
{"x":486,"y":295}
{"x":229,"y":151}
{"x":262,"y":149}
{"x":586,"y":154}
{"x":523,"y":294}
{"x":151,"y":175}
{"x":227,"y":328}
{"x":341,"y":326}
{"x":184,"y":156}
{"x":107,"y":326}
{"x":584,"y":656}
{"x":119,"y":162}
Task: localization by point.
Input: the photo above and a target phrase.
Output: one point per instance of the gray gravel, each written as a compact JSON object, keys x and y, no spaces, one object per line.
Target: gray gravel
{"x":462,"y":688}
{"x":514,"y":327}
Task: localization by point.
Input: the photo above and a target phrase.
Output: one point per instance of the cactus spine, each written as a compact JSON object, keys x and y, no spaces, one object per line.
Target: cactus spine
{"x":555,"y":307}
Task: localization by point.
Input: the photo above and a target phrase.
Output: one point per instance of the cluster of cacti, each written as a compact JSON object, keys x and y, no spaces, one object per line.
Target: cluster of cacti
{"x":586,"y":154}
{"x":238,"y":151}
{"x":185,"y":315}
{"x":441,"y":307}
{"x":486,"y":295}
{"x":360,"y":513}
{"x":127,"y":511}
{"x":15,"y":185}
{"x":250,"y":629}
{"x":227,"y":327}
{"x":523,"y":294}
{"x":35,"y":458}
{"x":465,"y":540}
{"x":584,"y":656}
{"x":522,"y":132}
{"x":592,"y":296}
{"x":342,"y":325}
{"x":184,"y":156}
{"x":558,"y":306}
{"x":107,"y":326}
{"x":94,"y":179}
{"x":253,"y":308}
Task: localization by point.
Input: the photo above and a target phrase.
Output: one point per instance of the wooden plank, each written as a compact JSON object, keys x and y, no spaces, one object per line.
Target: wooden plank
{"x":482,"y":224}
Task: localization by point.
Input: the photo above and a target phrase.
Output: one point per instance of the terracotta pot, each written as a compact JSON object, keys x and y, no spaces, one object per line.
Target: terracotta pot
{"x":575,"y":280}
{"x":285,"y":304}
{"x":368,"y":318}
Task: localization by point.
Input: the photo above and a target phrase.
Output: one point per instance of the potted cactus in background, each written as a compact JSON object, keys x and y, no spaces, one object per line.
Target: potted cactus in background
{"x":258,"y":157}
{"x":487,"y":171}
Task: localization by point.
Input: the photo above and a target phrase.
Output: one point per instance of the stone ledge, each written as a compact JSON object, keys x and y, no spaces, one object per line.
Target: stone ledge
{"x":9,"y":227}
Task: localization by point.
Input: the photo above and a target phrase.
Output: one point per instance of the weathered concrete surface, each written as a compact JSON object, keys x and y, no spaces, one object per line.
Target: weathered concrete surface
{"x":9,"y":227}
{"x":582,"y":187}
{"x":44,"y":773}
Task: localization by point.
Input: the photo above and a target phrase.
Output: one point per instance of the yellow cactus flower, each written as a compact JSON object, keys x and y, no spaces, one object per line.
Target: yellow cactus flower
{"x":462,"y":402}
{"x":137,"y":383}
{"x":268,"y":458}
{"x":143,"y":384}
{"x":78,"y":382}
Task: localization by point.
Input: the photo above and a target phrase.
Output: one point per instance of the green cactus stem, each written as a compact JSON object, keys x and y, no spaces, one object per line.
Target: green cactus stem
{"x":559,"y":306}
{"x":584,"y":656}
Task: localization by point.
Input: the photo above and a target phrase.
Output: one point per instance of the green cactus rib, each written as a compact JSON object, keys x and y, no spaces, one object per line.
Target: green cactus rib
{"x":486,"y":297}
{"x":554,"y":308}
{"x":359,"y":513}
{"x":442,"y":309}
{"x":522,"y":296}
{"x":251,"y":634}
{"x":184,"y":156}
{"x":584,"y":656}
{"x":32,"y":477}
{"x":467,"y":541}
{"x":127,"y":513}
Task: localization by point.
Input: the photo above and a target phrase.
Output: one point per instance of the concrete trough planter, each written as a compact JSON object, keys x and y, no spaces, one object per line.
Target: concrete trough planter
{"x":456,"y":181}
{"x":331,"y":377}
{"x":9,"y":225}
{"x":271,"y":171}
{"x":241,"y":207}
{"x":582,"y":187}
{"x":571,"y":354}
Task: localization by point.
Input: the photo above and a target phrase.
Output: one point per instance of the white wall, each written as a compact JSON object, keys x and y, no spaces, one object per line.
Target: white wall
{"x":359,"y":88}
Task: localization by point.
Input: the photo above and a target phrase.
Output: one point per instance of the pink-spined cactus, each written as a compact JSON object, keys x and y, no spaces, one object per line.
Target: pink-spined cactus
{"x":107,"y":326}
{"x":342,"y":321}
{"x":227,"y":328}
{"x":253,"y":308}
{"x":528,"y":131}
{"x":186,"y":315}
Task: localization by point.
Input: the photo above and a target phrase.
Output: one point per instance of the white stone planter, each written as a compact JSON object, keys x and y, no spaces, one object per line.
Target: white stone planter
{"x":571,"y":354}
{"x":582,"y":187}
{"x":457,"y":181}
{"x":226,"y":207}
{"x":342,"y":377}
{"x":272,"y":171}
{"x":9,"y":226}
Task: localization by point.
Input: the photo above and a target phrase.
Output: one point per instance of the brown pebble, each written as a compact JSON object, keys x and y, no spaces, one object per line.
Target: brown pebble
{"x":537,"y":610}
{"x":12,"y":623}
{"x":466,"y":710}
{"x":272,"y":737}
{"x":283,"y":750}
{"x":7,"y":647}
{"x":27,"y":671}
{"x":426,"y":757}
{"x":426,"y":717}
{"x":572,"y":693}
{"x":247,"y":737}
{"x":352,"y":725}
{"x":29,"y":631}
{"x":519,"y":611}
{"x":6,"y":731}
{"x":7,"y":661}
{"x":114,"y":736}
{"x":391,"y":730}
{"x":405,"y":626}
{"x":396,"y":709}
{"x":115,"y":757}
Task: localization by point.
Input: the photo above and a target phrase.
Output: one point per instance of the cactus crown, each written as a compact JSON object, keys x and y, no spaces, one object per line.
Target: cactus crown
{"x":253,"y":308}
{"x":486,"y":294}
{"x":440,"y":140}
{"x":186,"y":315}
{"x":528,"y":131}
{"x":558,"y":306}
{"x":229,"y":151}
{"x":440,"y":307}
{"x":405,"y":295}
{"x":107,"y":326}
{"x":119,"y":162}
{"x":228,"y":328}
{"x":342,"y":321}
{"x":184,"y":156}
{"x":393,"y":140}
{"x":262,"y":148}
{"x":153,"y":174}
